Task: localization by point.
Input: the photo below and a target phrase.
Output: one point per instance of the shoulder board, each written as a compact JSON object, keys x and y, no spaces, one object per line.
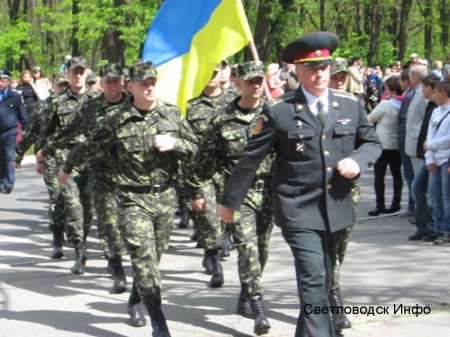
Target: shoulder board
{"x":282,"y":98}
{"x":344,"y":94}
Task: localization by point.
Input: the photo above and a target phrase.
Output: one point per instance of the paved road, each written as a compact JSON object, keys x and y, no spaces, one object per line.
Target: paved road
{"x":39,"y":297}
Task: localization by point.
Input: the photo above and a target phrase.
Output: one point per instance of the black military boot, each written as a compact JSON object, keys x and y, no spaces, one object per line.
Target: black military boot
{"x":185,"y":216}
{"x":207,"y":264}
{"x":134,"y":309}
{"x":58,"y":237}
{"x":158,"y":320}
{"x":340,"y":320}
{"x":217,"y":271}
{"x":118,"y":274}
{"x":262,"y":325}
{"x":225,"y":252}
{"x":244,"y":308}
{"x":80,"y":259}
{"x":195,"y":235}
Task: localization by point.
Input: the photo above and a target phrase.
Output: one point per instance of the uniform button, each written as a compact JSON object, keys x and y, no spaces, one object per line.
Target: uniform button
{"x":329,"y":186}
{"x":326,"y":153}
{"x":324,"y":136}
{"x":329,"y":169}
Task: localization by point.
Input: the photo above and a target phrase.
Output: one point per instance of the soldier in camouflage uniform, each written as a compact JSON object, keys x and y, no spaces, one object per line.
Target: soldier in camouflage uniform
{"x":39,"y":120}
{"x":338,"y":81}
{"x":76,"y":193}
{"x":199,"y":113}
{"x":223,"y":141}
{"x":148,"y":138}
{"x":102,"y":183}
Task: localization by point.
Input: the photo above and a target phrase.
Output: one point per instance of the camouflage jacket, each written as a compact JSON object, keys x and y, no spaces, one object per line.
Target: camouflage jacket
{"x":128,"y":133}
{"x":202,"y":109}
{"x":83,"y":124}
{"x":221,"y":146}
{"x":38,"y":120}
{"x":62,"y":110}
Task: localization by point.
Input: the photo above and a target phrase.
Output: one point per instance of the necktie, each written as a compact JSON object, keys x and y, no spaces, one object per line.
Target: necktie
{"x":321,"y":114}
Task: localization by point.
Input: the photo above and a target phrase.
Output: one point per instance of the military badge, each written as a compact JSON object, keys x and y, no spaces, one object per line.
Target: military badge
{"x":299,"y":124}
{"x":259,"y":125}
{"x":335,"y":104}
{"x":300,"y":147}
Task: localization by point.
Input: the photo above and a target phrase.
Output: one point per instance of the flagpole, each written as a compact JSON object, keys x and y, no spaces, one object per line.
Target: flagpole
{"x":256,"y":58}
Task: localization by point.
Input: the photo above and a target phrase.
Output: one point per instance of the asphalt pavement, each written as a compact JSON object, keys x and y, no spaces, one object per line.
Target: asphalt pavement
{"x":383,"y":273}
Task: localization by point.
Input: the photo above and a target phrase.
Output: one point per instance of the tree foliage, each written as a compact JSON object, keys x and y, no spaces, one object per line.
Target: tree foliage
{"x":41,"y":32}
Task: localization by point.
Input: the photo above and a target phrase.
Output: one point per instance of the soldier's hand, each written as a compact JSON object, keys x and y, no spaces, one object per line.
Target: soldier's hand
{"x":39,"y":156}
{"x":40,"y":168}
{"x":199,"y":205}
{"x":348,"y":168}
{"x":164,"y":143}
{"x":63,"y":176}
{"x":226,"y":214}
{"x":18,"y":166}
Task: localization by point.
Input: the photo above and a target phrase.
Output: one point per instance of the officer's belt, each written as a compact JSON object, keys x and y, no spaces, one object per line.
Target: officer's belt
{"x":154,"y":189}
{"x":259,"y":183}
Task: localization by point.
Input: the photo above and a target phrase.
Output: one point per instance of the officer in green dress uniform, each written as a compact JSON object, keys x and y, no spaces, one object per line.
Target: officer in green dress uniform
{"x":322,"y":142}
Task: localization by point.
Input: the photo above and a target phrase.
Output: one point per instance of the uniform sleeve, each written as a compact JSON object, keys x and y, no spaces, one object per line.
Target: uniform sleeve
{"x":185,"y":146}
{"x":101,"y":138}
{"x":205,"y":161}
{"x":23,"y":118}
{"x":368,"y":146}
{"x":243,"y":175}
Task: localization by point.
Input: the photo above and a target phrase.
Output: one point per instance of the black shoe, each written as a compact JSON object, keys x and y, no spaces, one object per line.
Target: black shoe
{"x":6,"y":190}
{"x":417,"y":236}
{"x":137,"y":318}
{"x":118,"y":274}
{"x":217,"y":279}
{"x":159,"y":323}
{"x":377,"y":211}
{"x":199,"y":244}
{"x":392,"y":210}
{"x":207,"y":264}
{"x":244,"y":308}
{"x":340,"y":320}
{"x":262,"y":325}
{"x":57,"y":253}
{"x":80,"y":260}
{"x":430,"y":237}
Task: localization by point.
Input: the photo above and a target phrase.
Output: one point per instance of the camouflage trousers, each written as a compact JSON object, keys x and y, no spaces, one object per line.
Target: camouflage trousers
{"x":145,"y":222}
{"x":342,"y":247}
{"x":251,"y":234}
{"x":56,"y":202}
{"x":106,"y":209}
{"x":77,"y":196}
{"x":209,"y":224}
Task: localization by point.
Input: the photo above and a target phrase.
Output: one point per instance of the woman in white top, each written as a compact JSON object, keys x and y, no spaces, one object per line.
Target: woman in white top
{"x":384,"y":116}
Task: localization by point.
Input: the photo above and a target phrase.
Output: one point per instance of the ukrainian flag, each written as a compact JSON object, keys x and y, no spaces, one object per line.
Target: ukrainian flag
{"x":188,"y":38}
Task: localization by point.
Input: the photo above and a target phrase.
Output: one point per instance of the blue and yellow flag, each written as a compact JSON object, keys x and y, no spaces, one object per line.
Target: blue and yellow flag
{"x":188,"y":38}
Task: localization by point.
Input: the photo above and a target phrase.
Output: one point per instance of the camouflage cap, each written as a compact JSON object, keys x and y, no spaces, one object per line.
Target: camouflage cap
{"x":142,"y":71}
{"x":76,"y":62}
{"x":91,"y":78}
{"x":250,"y":70}
{"x":111,"y":71}
{"x":339,"y":64}
{"x":4,"y":74}
{"x":60,"y":78}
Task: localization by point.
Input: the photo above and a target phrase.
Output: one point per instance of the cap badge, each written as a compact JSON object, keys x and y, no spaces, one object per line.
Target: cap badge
{"x":318,"y":53}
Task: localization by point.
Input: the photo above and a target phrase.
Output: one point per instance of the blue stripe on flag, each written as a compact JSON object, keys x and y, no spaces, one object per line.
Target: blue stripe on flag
{"x":167,"y":38}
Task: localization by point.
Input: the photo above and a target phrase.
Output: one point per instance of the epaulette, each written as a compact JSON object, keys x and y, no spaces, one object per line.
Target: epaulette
{"x":282,"y":98}
{"x":344,"y":94}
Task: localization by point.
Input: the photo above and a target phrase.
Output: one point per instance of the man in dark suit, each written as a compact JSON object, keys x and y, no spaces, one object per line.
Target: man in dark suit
{"x":323,"y":141}
{"x":12,"y":111}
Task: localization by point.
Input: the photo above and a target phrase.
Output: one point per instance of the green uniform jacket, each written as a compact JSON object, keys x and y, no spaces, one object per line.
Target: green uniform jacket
{"x":309,"y":193}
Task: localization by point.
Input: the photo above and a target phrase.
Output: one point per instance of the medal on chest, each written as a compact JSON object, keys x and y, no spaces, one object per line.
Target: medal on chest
{"x":300,"y":145}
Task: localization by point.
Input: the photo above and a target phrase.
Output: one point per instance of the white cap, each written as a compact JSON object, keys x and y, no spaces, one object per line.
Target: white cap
{"x":413,"y":55}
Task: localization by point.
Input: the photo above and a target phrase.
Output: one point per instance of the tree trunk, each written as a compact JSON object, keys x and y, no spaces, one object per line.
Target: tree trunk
{"x":427,"y":13}
{"x":403,"y":28}
{"x":444,"y":10}
{"x":375,"y":29}
{"x":323,"y":15}
{"x":75,"y":43}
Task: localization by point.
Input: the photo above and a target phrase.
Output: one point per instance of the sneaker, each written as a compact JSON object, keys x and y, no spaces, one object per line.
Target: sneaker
{"x":442,"y":239}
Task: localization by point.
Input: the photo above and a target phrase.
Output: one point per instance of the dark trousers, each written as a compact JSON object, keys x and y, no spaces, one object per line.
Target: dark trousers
{"x":7,"y":150}
{"x":392,"y":159}
{"x":408,"y":173}
{"x":314,"y":256}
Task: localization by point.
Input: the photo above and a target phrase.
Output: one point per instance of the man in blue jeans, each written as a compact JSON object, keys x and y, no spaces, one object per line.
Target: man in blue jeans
{"x":12,"y":111}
